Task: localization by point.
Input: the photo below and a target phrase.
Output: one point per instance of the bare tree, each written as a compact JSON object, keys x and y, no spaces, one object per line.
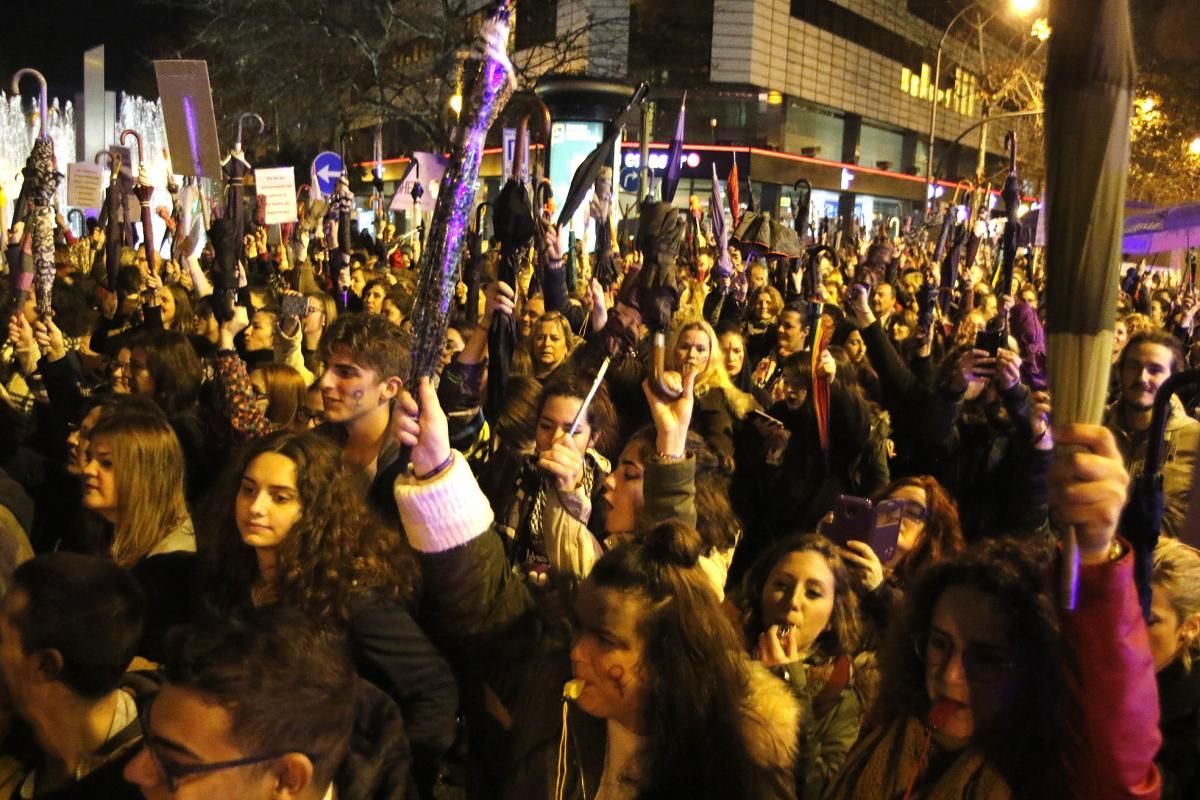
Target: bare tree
{"x":321,"y":68}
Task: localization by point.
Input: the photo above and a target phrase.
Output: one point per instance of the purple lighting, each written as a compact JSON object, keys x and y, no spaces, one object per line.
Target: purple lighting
{"x":189,"y":113}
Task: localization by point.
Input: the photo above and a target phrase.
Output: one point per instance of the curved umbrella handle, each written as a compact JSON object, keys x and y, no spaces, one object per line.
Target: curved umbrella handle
{"x":43,"y":99}
{"x":970,"y":187}
{"x":659,"y":366}
{"x":480,"y":210}
{"x":262,"y":126}
{"x":102,"y":155}
{"x":137,"y":137}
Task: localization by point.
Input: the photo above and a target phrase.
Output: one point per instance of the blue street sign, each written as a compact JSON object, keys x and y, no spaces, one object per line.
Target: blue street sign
{"x":327,"y":167}
{"x":629,"y":179}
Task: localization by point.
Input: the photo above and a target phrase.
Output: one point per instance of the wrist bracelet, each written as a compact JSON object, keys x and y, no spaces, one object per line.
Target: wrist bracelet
{"x":669,"y":458}
{"x":438,"y":470}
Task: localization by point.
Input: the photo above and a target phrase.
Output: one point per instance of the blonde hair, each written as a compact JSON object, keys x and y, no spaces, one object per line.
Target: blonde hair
{"x":1177,"y":573}
{"x":148,"y":475}
{"x":714,"y":376}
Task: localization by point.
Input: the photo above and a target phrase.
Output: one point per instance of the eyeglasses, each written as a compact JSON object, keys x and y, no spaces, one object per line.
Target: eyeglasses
{"x":173,"y":773}
{"x":307,"y":415}
{"x":914,"y":510}
{"x":982,"y":664}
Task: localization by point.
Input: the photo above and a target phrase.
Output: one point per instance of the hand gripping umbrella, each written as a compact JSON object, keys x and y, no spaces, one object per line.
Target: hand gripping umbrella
{"x":490,"y":90}
{"x":36,"y":203}
{"x":1090,"y":74}
{"x":143,"y":190}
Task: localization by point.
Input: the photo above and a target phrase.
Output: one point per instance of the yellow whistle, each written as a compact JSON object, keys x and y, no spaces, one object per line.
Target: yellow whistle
{"x":572,"y":689}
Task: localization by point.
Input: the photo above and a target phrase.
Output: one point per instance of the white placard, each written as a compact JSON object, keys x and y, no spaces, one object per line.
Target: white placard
{"x":278,"y":186}
{"x":508,"y":153}
{"x":85,"y":185}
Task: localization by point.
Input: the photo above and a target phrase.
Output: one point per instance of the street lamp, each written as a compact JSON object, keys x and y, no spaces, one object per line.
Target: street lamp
{"x":1194,"y":146}
{"x":456,"y":103}
{"x":1020,"y":8}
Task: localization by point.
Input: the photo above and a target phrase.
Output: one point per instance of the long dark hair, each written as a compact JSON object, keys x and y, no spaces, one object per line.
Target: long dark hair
{"x":1027,"y":743}
{"x":698,"y":675}
{"x":335,"y":550}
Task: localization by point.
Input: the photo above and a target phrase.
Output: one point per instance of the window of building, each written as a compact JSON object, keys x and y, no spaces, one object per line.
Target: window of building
{"x":845,"y":24}
{"x":536,"y":23}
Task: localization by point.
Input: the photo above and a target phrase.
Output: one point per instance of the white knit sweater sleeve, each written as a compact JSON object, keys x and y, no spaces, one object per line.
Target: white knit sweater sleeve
{"x":444,"y":512}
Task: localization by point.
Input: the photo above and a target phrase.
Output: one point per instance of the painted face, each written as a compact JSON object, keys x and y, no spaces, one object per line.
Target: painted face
{"x":166,"y":305}
{"x":373,"y":302}
{"x":1144,"y":368}
{"x":530,"y":313}
{"x":800,"y":592}
{"x":184,"y":729}
{"x":855,"y":347}
{"x":268,"y":501}
{"x":623,"y":498}
{"x":141,"y":382}
{"x":734,"y":350}
{"x":261,"y":333}
{"x":912,"y":523}
{"x":558,"y":413}
{"x":99,"y":479}
{"x":968,"y":663}
{"x":350,"y":391}
{"x":693,"y":350}
{"x":77,"y":442}
{"x":607,"y":655}
{"x":549,"y":345}
{"x":789,"y":333}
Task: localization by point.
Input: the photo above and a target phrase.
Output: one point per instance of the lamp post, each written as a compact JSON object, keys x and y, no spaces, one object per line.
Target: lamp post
{"x":1020,"y":7}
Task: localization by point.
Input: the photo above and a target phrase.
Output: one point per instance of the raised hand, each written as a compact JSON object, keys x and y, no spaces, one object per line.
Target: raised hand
{"x":422,"y":428}
{"x":1088,"y":487}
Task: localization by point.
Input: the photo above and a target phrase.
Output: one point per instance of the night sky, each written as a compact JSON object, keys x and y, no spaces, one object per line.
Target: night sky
{"x":51,"y":36}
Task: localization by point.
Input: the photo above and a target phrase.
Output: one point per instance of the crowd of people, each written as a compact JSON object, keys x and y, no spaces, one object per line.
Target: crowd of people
{"x":244,"y":555}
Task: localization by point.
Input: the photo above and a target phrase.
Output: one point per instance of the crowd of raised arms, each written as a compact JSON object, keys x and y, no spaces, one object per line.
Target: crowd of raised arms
{"x":244,"y":556}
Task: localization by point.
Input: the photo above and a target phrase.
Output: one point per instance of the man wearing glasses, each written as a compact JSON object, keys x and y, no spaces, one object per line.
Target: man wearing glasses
{"x":261,"y":707}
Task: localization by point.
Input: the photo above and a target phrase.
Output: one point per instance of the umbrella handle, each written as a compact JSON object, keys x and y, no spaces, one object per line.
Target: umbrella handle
{"x":43,"y":97}
{"x":659,"y":362}
{"x":137,"y":137}
{"x":262,"y":126}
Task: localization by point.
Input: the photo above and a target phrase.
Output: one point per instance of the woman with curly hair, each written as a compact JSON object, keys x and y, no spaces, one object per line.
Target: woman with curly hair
{"x":989,"y":692}
{"x":800,"y":618}
{"x":290,"y":528}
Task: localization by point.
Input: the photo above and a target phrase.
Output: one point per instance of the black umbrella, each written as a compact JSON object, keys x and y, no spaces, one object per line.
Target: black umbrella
{"x":588,"y":171}
{"x":758,"y":233}
{"x":37,"y":197}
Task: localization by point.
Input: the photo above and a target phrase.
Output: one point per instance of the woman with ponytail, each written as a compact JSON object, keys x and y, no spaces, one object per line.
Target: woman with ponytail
{"x":665,"y":701}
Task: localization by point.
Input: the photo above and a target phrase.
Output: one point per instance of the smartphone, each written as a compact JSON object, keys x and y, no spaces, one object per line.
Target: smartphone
{"x":857,"y":519}
{"x":852,"y":521}
{"x":885,"y":530}
{"x":991,"y":341}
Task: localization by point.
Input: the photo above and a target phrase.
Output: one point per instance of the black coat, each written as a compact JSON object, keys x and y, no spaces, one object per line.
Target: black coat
{"x":1179,"y":758}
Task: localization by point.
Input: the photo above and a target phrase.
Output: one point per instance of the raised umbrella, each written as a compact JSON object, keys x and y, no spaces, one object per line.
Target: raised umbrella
{"x":759,"y":233}
{"x":1011,"y":195}
{"x":670,"y":180}
{"x":35,"y":208}
{"x":143,"y":190}
{"x":228,"y":234}
{"x":735,"y":209}
{"x":111,"y":217}
{"x":513,"y":229}
{"x":490,"y":90}
{"x":1089,"y":91}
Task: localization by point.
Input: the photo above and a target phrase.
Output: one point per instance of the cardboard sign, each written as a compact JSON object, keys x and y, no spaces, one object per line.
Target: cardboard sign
{"x":85,"y":185}
{"x":508,"y":153}
{"x":190,"y":121}
{"x":277,"y":186}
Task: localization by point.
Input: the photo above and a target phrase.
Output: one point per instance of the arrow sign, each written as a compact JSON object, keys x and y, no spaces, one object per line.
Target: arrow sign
{"x":327,"y":167}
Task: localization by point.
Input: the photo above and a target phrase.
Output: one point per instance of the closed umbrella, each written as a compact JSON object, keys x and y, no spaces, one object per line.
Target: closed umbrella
{"x":1089,"y":91}
{"x":143,"y":191}
{"x":35,"y":207}
{"x":490,"y":90}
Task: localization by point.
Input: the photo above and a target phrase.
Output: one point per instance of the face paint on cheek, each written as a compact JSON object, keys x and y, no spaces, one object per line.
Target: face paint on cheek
{"x":357,"y":394}
{"x":616,"y":674}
